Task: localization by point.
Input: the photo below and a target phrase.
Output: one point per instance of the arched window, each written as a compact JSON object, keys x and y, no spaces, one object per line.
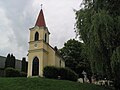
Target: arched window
{"x":36,"y":36}
{"x":45,"y":37}
{"x":35,"y":67}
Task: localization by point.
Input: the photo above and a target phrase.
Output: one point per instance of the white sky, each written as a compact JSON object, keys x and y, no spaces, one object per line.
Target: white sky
{"x":17,"y":16}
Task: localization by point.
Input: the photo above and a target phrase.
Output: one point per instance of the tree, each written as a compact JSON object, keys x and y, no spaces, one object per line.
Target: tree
{"x":116,"y":67}
{"x":24,"y":65}
{"x":98,"y":24}
{"x":12,"y":61}
{"x":7,"y":61}
{"x":72,"y":53}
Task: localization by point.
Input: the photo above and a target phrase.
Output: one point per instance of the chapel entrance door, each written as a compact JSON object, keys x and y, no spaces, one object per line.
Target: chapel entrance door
{"x":35,"y":67}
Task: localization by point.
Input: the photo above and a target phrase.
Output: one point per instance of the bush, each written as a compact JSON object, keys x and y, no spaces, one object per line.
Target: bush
{"x":62,"y":73}
{"x":2,"y":69}
{"x":23,"y":74}
{"x":51,"y":72}
{"x":68,"y":74}
{"x":11,"y":72}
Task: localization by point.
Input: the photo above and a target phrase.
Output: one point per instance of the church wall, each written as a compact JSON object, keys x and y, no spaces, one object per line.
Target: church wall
{"x":47,"y":38}
{"x":2,"y":61}
{"x":41,"y":51}
{"x":59,"y":62}
{"x":32,"y":45}
{"x":40,"y":30}
{"x":45,"y":56}
{"x":45,"y":46}
{"x":62,"y":63}
{"x":45,"y":61}
{"x":51,"y":57}
{"x":31,"y":56}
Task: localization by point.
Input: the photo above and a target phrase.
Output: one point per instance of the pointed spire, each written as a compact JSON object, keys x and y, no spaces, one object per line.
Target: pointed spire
{"x":40,"y":20}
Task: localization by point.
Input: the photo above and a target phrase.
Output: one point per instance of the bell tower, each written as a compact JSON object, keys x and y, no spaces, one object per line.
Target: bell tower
{"x":39,"y":39}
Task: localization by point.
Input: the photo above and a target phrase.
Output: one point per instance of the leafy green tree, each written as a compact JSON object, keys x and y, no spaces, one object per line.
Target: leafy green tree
{"x":12,"y":61}
{"x":7,"y":61}
{"x":24,"y":65}
{"x":97,"y":28}
{"x":115,"y":63}
{"x":72,"y":53}
{"x":98,"y":24}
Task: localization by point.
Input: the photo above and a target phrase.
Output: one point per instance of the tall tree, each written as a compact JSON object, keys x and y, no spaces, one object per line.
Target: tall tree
{"x":115,"y":62}
{"x":12,"y":61}
{"x":98,"y":24}
{"x":24,"y":65}
{"x":7,"y":61}
{"x":72,"y":53}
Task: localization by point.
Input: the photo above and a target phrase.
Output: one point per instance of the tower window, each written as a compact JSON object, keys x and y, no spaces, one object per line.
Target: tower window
{"x":45,"y":37}
{"x":36,"y":36}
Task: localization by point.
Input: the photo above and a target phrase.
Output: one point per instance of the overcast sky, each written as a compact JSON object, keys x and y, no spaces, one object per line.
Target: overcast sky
{"x":17,"y":16}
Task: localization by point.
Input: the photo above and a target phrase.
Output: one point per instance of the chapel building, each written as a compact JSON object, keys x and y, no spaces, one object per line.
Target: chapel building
{"x":40,"y":53}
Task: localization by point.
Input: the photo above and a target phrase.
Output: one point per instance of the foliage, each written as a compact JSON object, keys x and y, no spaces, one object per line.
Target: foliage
{"x":24,"y":65}
{"x":7,"y":61}
{"x":59,"y":73}
{"x":44,"y":84}
{"x":23,"y":74}
{"x":98,"y":24}
{"x":74,"y":55}
{"x":2,"y":68}
{"x":11,"y":72}
{"x":10,"y":61}
{"x":116,"y":66}
{"x":68,"y":74}
{"x":2,"y":72}
{"x":71,"y":53}
{"x":51,"y":72}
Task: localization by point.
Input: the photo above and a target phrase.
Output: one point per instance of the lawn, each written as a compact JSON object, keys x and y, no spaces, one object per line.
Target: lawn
{"x":44,"y":84}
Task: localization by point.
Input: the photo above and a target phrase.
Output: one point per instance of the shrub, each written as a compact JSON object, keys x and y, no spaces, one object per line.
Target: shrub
{"x":11,"y":72}
{"x":61,"y":73}
{"x":51,"y":72}
{"x":24,"y":65}
{"x":2,"y":69}
{"x":68,"y":74}
{"x":2,"y":74}
{"x":23,"y":74}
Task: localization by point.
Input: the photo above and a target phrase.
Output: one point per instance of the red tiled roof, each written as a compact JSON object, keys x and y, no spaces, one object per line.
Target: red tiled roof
{"x":40,"y":20}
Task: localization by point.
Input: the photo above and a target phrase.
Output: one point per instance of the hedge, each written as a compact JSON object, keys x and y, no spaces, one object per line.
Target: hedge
{"x":51,"y":72}
{"x":68,"y":74}
{"x":59,"y":73}
{"x":11,"y":72}
{"x":23,"y":74}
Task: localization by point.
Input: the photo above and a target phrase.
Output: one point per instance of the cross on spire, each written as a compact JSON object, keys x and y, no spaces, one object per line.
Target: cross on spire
{"x":41,"y":5}
{"x":40,"y":20}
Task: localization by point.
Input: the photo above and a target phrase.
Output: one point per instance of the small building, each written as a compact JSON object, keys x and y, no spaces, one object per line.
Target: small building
{"x":41,"y":53}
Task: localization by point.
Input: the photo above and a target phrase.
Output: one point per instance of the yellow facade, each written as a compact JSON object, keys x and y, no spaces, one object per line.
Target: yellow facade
{"x":41,"y":49}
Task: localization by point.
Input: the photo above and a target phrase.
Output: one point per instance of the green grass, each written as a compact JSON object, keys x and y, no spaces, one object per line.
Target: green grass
{"x":44,"y":84}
